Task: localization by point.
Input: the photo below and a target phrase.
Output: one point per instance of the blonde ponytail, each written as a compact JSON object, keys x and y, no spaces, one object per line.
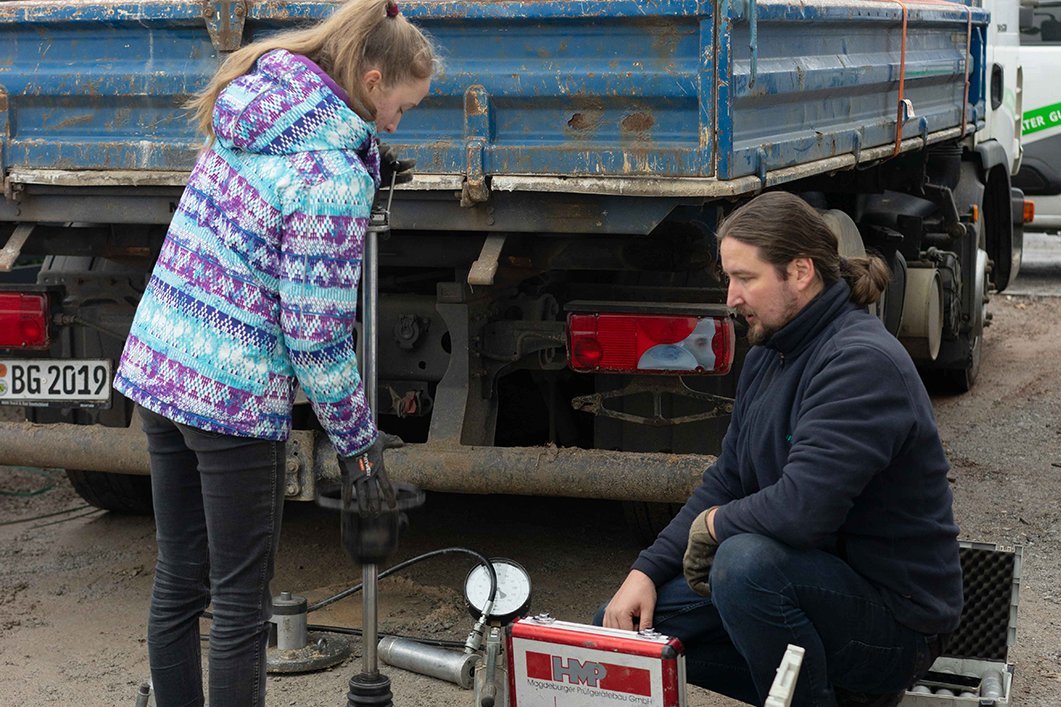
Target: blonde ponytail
{"x":360,"y":35}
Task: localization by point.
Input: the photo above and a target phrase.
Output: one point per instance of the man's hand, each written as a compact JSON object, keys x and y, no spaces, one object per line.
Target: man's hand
{"x":700,"y":553}
{"x":632,"y":606}
{"x":390,"y":167}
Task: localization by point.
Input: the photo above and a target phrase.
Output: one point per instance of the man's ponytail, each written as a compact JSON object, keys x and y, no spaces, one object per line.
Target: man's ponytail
{"x":867,"y":276}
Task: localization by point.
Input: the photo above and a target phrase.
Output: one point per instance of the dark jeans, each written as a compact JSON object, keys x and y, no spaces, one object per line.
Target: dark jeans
{"x":218,"y":503}
{"x":765,"y":595}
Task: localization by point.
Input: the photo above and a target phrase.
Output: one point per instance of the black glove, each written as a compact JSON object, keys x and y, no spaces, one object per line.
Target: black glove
{"x":699,"y":554}
{"x":365,"y":478}
{"x":390,"y":167}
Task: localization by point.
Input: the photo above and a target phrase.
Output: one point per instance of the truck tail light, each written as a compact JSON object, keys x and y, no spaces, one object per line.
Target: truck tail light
{"x":23,"y":320}
{"x":648,"y":343}
{"x":1029,"y":211}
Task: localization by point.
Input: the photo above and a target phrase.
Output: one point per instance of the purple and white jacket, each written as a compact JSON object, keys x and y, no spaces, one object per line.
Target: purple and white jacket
{"x":255,"y":290}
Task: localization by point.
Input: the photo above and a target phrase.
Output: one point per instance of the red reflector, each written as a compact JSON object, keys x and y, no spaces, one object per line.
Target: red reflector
{"x":587,"y":352}
{"x":648,"y":343}
{"x":23,"y":321}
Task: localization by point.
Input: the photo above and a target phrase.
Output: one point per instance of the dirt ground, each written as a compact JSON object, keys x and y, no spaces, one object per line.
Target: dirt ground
{"x":75,"y":582}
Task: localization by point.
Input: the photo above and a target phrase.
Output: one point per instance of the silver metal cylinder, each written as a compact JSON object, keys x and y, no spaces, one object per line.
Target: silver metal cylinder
{"x":992,"y":685}
{"x":290,"y":618}
{"x":143,"y":694}
{"x":369,"y":618}
{"x":433,"y":661}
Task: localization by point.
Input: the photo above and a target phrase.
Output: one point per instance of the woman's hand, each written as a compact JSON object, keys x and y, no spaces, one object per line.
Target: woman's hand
{"x":393,"y":170}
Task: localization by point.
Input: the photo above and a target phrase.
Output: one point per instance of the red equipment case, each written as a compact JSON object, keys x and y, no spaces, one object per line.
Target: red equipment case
{"x":560,"y":664}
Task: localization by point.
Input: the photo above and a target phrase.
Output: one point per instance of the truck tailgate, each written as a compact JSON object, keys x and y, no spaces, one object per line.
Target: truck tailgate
{"x":606,"y":89}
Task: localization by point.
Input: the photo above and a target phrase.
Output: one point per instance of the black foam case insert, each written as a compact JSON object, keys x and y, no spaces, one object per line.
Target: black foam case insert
{"x":987,"y":582}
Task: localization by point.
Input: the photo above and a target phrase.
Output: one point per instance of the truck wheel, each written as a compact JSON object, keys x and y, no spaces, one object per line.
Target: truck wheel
{"x":122,"y":493}
{"x":960,"y":379}
{"x":1001,"y":236}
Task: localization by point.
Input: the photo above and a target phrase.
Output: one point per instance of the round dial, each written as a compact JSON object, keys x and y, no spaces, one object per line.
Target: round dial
{"x":513,"y":590}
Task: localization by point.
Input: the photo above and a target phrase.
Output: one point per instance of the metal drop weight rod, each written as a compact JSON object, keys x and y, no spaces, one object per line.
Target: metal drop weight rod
{"x":378,"y":223}
{"x":370,"y":687}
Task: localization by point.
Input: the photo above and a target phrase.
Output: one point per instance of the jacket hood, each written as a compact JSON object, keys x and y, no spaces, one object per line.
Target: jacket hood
{"x":282,"y":107}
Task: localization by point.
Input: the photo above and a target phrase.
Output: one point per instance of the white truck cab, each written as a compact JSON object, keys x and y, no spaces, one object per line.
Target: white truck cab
{"x":1005,"y":80}
{"x":1040,"y":56}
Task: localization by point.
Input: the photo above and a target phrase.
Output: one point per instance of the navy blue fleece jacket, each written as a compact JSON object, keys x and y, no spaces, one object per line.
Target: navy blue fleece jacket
{"x":833,"y":445}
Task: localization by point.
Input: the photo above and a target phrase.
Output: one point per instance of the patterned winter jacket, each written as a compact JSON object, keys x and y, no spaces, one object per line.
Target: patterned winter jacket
{"x":255,"y":290}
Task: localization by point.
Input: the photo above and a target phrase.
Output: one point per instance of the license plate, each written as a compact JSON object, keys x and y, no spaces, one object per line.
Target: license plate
{"x":48,"y":382}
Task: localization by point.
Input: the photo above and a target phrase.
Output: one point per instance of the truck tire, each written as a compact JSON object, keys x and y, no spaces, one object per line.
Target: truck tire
{"x":1003,"y":239}
{"x":121,"y":493}
{"x":962,"y":378}
{"x":959,"y":360}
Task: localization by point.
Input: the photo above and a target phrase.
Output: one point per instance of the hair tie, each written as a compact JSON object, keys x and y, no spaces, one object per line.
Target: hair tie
{"x":392,"y":9}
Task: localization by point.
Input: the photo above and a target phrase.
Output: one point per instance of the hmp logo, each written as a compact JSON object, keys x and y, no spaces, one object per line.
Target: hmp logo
{"x":577,"y":672}
{"x":612,"y":677}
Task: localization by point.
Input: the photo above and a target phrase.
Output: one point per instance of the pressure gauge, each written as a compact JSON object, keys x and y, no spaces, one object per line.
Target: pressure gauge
{"x":513,"y":591}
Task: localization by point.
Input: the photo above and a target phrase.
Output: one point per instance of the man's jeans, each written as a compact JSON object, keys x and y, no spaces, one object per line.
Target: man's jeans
{"x":765,"y":595}
{"x":218,"y":502}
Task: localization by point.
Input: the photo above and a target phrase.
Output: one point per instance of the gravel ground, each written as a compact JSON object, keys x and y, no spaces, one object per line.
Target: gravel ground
{"x":75,"y":585}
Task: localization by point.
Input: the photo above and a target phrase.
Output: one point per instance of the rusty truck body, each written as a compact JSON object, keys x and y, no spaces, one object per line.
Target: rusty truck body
{"x":573,"y":160}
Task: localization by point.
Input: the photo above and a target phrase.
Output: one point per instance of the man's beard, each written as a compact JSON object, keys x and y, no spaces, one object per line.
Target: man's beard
{"x":762,"y":332}
{"x":759,"y":334}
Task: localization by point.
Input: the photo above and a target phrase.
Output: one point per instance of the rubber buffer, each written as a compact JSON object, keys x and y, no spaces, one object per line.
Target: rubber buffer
{"x":368,"y":689}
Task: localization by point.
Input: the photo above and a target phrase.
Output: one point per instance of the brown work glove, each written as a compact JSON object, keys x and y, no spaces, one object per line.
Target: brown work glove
{"x":699,"y":554}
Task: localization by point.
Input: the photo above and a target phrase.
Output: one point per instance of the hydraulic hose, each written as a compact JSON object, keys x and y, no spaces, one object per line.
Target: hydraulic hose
{"x":412,"y":561}
{"x":396,"y":568}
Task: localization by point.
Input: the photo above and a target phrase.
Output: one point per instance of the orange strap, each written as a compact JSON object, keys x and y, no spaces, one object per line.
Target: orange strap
{"x":902,"y":106}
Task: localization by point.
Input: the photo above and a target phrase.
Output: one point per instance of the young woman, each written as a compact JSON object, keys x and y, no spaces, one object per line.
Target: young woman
{"x":254,"y":293}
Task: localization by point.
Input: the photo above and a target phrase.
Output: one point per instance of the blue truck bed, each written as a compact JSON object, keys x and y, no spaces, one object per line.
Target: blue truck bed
{"x":595,"y":94}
